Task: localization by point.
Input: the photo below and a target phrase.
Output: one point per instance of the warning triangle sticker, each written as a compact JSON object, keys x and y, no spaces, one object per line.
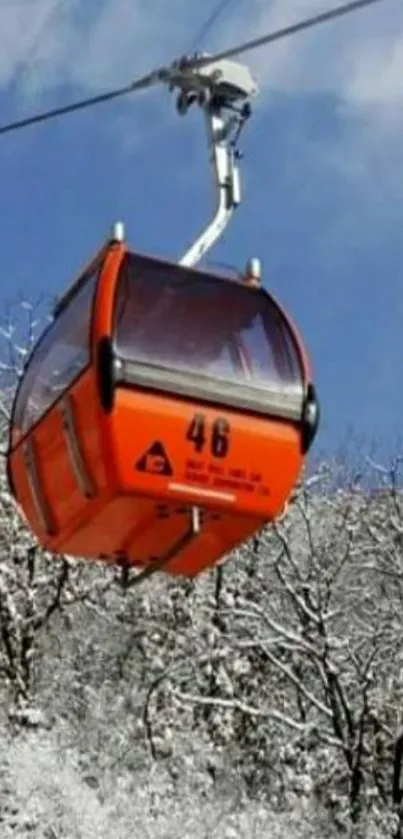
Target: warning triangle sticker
{"x":155,"y":461}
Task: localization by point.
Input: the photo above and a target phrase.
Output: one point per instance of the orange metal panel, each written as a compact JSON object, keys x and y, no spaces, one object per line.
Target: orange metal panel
{"x":106,"y":531}
{"x":217,"y":539}
{"x":24,"y":495}
{"x":154,"y":457}
{"x":144,"y":514}
{"x":106,"y":292}
{"x":69,"y":507}
{"x":141,"y":530}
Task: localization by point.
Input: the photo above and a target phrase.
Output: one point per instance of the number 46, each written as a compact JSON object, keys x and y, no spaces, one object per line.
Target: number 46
{"x":198,"y":433}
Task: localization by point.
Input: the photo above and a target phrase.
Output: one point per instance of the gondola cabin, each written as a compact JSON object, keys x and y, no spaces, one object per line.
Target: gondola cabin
{"x":162,"y":418}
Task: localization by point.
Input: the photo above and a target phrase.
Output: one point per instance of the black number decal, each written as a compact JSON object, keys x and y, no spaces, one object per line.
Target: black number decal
{"x":219,"y":442}
{"x":220,"y":438}
{"x":197,"y":432}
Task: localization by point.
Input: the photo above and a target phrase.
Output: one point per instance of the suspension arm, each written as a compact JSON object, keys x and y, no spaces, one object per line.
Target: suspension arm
{"x":223,"y":91}
{"x":227,"y":180}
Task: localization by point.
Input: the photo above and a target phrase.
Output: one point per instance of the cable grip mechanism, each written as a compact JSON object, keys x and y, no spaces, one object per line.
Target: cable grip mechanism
{"x":223,"y":90}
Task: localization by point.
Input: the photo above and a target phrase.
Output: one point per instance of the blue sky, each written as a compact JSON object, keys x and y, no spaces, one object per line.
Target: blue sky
{"x":322,"y":174}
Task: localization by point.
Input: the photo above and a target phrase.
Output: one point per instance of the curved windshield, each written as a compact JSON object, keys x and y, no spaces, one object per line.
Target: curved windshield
{"x":60,"y":356}
{"x":184,"y":320}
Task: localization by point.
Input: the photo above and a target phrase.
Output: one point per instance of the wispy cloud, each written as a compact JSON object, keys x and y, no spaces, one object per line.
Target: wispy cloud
{"x":47,"y":46}
{"x":64,"y":48}
{"x":92,"y":47}
{"x":359,"y":58}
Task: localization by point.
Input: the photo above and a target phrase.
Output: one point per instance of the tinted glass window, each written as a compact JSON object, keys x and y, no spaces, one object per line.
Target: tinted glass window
{"x":173,"y":317}
{"x":60,"y":356}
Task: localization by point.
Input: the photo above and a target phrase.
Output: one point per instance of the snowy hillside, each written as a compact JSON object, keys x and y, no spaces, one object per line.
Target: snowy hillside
{"x":263,"y":699}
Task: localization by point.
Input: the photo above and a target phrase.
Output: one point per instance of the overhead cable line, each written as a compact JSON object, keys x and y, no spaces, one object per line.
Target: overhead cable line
{"x":286,"y":31}
{"x":32,"y":51}
{"x":164,"y":74}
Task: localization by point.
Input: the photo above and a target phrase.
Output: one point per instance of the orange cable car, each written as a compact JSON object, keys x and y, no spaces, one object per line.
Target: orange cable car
{"x":164,"y":415}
